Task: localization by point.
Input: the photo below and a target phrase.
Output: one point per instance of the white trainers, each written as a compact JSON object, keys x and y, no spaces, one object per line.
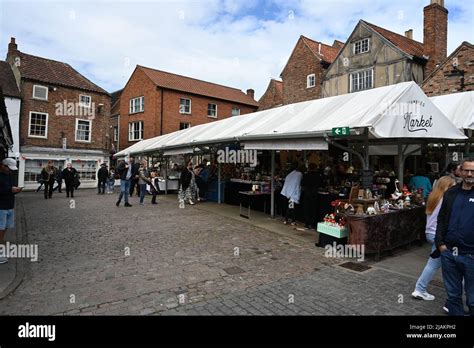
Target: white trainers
{"x":422,"y":295}
{"x":3,"y":260}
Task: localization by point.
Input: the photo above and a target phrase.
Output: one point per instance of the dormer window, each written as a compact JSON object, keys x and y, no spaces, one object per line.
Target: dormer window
{"x":361,"y":46}
{"x":311,"y":81}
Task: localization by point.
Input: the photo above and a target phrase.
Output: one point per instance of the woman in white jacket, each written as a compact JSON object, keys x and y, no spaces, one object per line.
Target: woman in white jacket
{"x":292,"y":191}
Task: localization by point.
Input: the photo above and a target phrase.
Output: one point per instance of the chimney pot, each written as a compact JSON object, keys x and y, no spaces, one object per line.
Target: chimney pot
{"x":439,"y":2}
{"x":409,"y":34}
{"x":251,"y":93}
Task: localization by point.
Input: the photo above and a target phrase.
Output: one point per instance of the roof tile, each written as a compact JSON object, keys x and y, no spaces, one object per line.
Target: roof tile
{"x":7,"y":81}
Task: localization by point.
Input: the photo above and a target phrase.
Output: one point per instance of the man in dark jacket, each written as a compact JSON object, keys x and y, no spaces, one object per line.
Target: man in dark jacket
{"x":127,"y":172}
{"x":310,"y":184}
{"x":455,"y":240}
{"x":7,"y":200}
{"x":69,"y":176}
{"x":102,"y":176}
{"x":134,"y":180}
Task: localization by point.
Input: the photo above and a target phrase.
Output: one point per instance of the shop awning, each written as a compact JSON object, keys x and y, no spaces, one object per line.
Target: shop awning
{"x":178,"y":151}
{"x":396,"y":111}
{"x":392,"y":150}
{"x":458,"y":108}
{"x":290,"y":144}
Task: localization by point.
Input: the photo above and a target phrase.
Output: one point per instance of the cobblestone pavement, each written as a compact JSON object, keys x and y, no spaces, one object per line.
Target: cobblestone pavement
{"x":95,"y":258}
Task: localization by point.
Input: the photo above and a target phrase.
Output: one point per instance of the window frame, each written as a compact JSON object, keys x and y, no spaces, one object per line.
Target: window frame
{"x":351,"y":81}
{"x":85,"y":105}
{"x":38,"y":98}
{"x":186,"y":123}
{"x":232,"y":112}
{"x":132,"y":104}
{"x":141,"y":130}
{"x":208,"y":109}
{"x":46,"y":127}
{"x":308,"y":77}
{"x":116,"y":133}
{"x":76,"y":129}
{"x":354,"y":45}
{"x":180,"y":106}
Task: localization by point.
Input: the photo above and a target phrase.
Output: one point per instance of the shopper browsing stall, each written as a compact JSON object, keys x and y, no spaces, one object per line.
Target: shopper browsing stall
{"x":292,"y":191}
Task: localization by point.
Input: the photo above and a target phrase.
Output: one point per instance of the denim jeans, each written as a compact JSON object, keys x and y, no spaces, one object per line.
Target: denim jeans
{"x":111,"y":184}
{"x":430,"y":269}
{"x":124,"y":189}
{"x":142,"y":192}
{"x":455,"y":268}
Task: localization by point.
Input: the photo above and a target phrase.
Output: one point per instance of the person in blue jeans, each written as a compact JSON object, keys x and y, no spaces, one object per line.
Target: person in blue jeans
{"x":126,"y":171}
{"x":434,"y":264}
{"x":455,"y":241}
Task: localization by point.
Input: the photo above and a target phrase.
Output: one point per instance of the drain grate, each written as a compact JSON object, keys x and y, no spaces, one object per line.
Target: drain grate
{"x":234,"y":270}
{"x":353,"y":266}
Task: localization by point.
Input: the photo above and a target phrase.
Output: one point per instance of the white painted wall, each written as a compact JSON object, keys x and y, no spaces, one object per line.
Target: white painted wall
{"x":13,"y":110}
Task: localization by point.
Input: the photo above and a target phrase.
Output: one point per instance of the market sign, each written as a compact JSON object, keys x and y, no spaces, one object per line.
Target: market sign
{"x":341,"y":132}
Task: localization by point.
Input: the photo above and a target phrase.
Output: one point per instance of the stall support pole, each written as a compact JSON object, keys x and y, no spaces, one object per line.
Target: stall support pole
{"x":166,"y":175}
{"x":365,"y":164}
{"x":272,"y":197}
{"x":218,"y":183}
{"x":401,"y":161}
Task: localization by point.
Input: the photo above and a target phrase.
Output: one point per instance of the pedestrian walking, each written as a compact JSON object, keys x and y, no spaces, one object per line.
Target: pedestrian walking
{"x":154,"y":186}
{"x":434,"y":262}
{"x":49,"y":174}
{"x":187,"y":181}
{"x":69,"y":175}
{"x":126,"y":170}
{"x":111,"y":180}
{"x":59,"y":180}
{"x":102,"y":177}
{"x":134,"y":181}
{"x":455,"y":241}
{"x":7,"y":201}
{"x":143,"y":180}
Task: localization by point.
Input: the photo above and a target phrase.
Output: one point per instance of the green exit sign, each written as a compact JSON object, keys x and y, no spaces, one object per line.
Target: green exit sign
{"x":341,"y":132}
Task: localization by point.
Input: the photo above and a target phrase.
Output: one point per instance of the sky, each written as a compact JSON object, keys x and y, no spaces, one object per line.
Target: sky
{"x":237,"y":43}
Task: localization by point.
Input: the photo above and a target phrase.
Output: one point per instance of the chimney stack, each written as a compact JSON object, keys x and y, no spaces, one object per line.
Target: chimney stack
{"x":435,"y":34}
{"x":12,"y":48}
{"x":251,"y":93}
{"x":409,"y":34}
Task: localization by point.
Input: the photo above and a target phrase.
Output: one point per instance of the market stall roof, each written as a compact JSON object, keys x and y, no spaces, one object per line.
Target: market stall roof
{"x":458,"y":108}
{"x":396,"y":111}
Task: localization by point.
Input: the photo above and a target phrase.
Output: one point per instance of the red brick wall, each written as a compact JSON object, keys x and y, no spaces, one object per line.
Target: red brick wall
{"x":140,"y":85}
{"x":199,"y":105}
{"x":58,"y":123}
{"x":435,"y":36}
{"x":442,"y":83}
{"x":301,"y":64}
{"x":271,"y":98}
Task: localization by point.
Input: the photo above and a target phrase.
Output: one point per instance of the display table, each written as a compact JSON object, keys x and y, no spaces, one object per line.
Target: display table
{"x":250,"y":197}
{"x":387,"y":231}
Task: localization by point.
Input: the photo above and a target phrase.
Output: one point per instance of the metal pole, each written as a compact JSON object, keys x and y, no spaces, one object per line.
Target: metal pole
{"x":219,"y":183}
{"x":272,"y":197}
{"x":400,"y":165}
{"x":166,"y":175}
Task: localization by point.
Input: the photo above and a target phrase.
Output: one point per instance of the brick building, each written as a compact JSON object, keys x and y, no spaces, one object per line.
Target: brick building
{"x":155,"y":102}
{"x":64,"y":117}
{"x":455,"y":74}
{"x":374,"y":56}
{"x":272,"y":97}
{"x":303,"y":73}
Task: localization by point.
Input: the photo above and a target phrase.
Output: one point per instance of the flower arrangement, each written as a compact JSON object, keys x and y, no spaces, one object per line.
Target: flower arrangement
{"x":334,"y":220}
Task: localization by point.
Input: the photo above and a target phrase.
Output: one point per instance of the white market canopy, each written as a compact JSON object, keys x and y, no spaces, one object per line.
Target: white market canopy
{"x":396,"y":111}
{"x":458,"y":108}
